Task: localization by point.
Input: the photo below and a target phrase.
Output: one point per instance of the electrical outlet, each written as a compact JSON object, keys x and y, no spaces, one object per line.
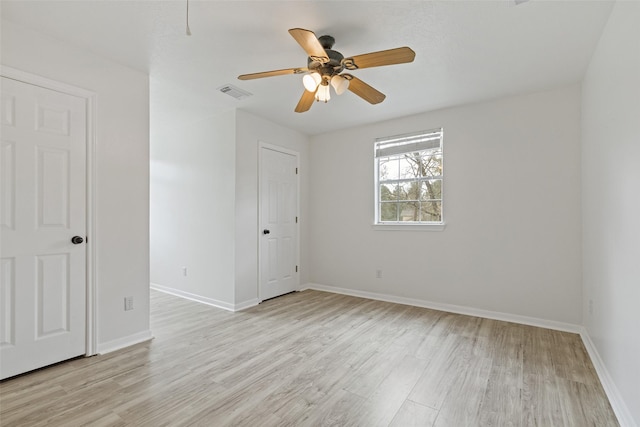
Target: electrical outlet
{"x":128,"y":303}
{"x":184,"y":271}
{"x":378,"y":274}
{"x":590,"y":306}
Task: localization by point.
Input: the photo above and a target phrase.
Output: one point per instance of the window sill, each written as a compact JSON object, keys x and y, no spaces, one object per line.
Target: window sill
{"x":409,"y":227}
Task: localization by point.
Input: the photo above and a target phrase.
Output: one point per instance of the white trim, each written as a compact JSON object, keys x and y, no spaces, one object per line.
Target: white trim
{"x":204,"y":300}
{"x":451,"y":308}
{"x":92,"y":233}
{"x":193,"y":297}
{"x":296,"y":154}
{"x":120,"y":343}
{"x":36,"y":80}
{"x":615,"y":399}
{"x":262,"y":144}
{"x":409,"y":227}
{"x":90,"y":110}
{"x":246,"y":304}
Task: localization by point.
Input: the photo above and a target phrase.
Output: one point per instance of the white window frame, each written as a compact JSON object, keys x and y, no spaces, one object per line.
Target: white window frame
{"x":433,"y":134}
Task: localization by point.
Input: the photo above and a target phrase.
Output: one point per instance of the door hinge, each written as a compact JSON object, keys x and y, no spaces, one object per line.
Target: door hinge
{"x":296,"y":171}
{"x":296,"y":220}
{"x":296,"y":268}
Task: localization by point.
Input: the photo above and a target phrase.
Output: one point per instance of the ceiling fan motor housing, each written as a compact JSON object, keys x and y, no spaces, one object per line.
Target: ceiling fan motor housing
{"x":331,"y":68}
{"x":334,"y":65}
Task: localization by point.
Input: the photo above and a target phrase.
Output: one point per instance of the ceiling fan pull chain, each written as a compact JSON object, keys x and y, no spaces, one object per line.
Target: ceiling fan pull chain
{"x":188,"y":29}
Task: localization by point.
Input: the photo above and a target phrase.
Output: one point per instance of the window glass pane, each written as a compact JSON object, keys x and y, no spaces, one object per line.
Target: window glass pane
{"x":388,"y":192}
{"x":433,"y":165}
{"x":431,"y":211}
{"x":409,"y":190}
{"x":431,"y":189}
{"x":389,"y":168}
{"x":409,"y":211}
{"x":388,"y":211}
{"x":410,"y":165}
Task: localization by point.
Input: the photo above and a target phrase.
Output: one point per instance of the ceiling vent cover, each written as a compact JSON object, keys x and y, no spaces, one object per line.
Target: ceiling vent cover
{"x":235,"y":92}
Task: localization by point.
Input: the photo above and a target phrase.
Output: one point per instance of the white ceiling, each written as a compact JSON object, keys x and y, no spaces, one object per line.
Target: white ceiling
{"x":466,"y":51}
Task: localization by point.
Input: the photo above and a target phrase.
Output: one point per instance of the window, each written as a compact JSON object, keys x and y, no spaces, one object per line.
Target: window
{"x":409,"y":178}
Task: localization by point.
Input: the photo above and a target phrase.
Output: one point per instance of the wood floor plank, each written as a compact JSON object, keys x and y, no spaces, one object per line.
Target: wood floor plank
{"x":580,"y":408}
{"x":438,"y":378}
{"x":374,"y":371}
{"x":541,"y":401}
{"x":462,"y":404}
{"x":339,"y":409}
{"x":501,"y":404}
{"x":315,"y":358}
{"x":388,"y":397}
{"x":413,"y":414}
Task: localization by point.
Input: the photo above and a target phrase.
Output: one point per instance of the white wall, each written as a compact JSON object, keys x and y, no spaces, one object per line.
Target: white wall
{"x":204,"y":206}
{"x":511,"y":204}
{"x":250,"y":130}
{"x":121,"y":172}
{"x":192,"y":208}
{"x":611,"y":200}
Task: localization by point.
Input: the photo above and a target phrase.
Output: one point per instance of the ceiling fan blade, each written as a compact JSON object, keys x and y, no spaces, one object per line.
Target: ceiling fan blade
{"x":273,"y":73}
{"x":363,"y":90}
{"x":398,"y":55}
{"x":309,"y":42}
{"x":306,"y":101}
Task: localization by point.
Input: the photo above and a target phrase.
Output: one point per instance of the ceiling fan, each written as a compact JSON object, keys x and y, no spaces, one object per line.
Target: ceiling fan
{"x":324,"y":68}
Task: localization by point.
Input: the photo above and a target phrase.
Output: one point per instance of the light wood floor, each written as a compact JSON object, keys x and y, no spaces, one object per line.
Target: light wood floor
{"x":315,"y":358}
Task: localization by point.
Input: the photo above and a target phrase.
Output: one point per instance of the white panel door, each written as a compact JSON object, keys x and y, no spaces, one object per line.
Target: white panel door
{"x":278,"y":223}
{"x":42,"y":207}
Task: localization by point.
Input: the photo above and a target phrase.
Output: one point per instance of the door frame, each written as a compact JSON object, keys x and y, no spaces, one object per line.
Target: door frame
{"x":264,"y":145}
{"x":90,"y":209}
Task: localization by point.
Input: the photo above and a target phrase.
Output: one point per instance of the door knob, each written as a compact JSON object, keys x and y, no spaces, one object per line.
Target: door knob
{"x":76,"y":240}
{"x":266,"y":231}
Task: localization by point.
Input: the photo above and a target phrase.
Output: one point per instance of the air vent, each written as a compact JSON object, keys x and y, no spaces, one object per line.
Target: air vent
{"x":236,"y":92}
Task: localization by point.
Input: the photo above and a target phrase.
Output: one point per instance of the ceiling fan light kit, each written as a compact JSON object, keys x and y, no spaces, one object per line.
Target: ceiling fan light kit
{"x":311,"y":81}
{"x":323,"y":94}
{"x":325,"y":65}
{"x":340,"y":84}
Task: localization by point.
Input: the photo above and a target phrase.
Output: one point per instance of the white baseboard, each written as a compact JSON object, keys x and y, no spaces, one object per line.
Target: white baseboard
{"x":113,"y":345}
{"x":246,"y":304}
{"x":617,"y":403}
{"x":451,"y":308}
{"x":204,"y":300}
